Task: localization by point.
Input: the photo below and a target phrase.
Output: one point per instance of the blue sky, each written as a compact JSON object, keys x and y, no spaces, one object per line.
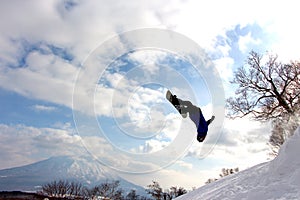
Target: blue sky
{"x":53,"y":54}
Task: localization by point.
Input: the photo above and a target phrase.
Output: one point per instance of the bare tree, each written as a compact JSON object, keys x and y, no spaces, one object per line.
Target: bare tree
{"x":225,"y":172}
{"x":155,"y":190}
{"x":48,"y":190}
{"x":110,"y":190}
{"x":228,"y":171}
{"x":132,"y":195}
{"x":268,"y":90}
{"x":210,"y":180}
{"x":157,"y":193}
{"x":63,"y":187}
{"x":177,"y":191}
{"x":91,"y":193}
{"x":51,"y":189}
{"x":106,"y":190}
{"x":56,"y":188}
{"x":75,"y":189}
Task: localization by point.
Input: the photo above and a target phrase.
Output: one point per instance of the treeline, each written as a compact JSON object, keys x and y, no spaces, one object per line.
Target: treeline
{"x":109,"y":190}
{"x":75,"y":190}
{"x":225,"y":172}
{"x":157,"y":192}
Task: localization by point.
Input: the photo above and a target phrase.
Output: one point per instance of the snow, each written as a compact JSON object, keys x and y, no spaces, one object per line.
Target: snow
{"x":278,"y":179}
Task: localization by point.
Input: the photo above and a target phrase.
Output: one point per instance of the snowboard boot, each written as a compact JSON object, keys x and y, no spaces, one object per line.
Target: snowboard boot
{"x":210,"y":120}
{"x":176,"y":103}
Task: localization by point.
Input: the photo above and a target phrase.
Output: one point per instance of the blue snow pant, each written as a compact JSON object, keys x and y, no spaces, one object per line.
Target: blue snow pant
{"x":197,"y":117}
{"x":201,"y":125}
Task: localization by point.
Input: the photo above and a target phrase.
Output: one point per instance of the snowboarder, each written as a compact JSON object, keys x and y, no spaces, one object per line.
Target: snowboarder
{"x":195,"y":114}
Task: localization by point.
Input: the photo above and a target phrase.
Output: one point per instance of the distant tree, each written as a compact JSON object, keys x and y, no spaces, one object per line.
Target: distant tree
{"x":210,"y":180}
{"x":225,"y":172}
{"x":228,"y":171}
{"x":157,"y":193}
{"x":88,"y":193}
{"x":177,"y":191}
{"x":268,"y":90}
{"x":111,"y":190}
{"x":51,"y":189}
{"x":106,"y":190}
{"x":61,"y":188}
{"x":132,"y":195}
{"x":155,"y":190}
{"x":76,"y":189}
{"x":48,"y":189}
{"x":166,"y":195}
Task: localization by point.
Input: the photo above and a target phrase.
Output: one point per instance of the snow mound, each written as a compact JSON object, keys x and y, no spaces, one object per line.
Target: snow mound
{"x":286,"y":164}
{"x":277,"y":179}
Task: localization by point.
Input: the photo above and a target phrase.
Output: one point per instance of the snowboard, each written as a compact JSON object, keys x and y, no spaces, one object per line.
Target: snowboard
{"x":174,"y":101}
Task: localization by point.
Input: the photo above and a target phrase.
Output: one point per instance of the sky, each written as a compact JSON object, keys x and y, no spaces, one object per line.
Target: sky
{"x":89,"y":77}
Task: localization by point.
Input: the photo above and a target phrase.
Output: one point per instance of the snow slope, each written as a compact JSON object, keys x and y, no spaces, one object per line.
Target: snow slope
{"x":277,"y":179}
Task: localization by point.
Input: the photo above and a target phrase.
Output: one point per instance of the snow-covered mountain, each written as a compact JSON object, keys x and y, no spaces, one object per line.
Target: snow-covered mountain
{"x":81,"y":169}
{"x":277,"y":179}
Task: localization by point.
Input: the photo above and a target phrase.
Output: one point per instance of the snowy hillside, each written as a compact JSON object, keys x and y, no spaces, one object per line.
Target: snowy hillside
{"x":81,"y":169}
{"x":277,"y":179}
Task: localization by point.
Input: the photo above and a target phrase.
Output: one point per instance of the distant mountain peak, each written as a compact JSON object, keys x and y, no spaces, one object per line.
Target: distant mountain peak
{"x":83,"y":169}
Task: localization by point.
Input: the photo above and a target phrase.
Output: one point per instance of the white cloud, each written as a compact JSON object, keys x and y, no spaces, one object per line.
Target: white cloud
{"x":224,"y":66}
{"x":242,"y":143}
{"x":244,"y":41}
{"x":165,"y":130}
{"x":78,"y":31}
{"x":153,"y":146}
{"x":50,"y":65}
{"x":146,"y":108}
{"x":175,"y":175}
{"x":26,"y":144}
{"x":120,"y":160}
{"x":86,"y":23}
{"x":43,"y":108}
{"x":148,"y":59}
{"x":183,"y":164}
{"x":45,"y":77}
{"x":22,"y":144}
{"x":34,"y":85}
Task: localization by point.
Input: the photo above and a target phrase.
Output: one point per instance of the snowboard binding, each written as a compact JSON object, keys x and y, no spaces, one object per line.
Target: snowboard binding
{"x":175,"y":102}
